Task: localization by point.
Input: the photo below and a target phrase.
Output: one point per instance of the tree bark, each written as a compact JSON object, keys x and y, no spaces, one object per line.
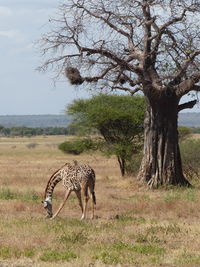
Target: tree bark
{"x":161,"y":164}
{"x":122,"y":165}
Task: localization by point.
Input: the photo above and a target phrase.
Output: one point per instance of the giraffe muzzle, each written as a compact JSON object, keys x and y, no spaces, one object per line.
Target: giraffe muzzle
{"x":48,"y":207}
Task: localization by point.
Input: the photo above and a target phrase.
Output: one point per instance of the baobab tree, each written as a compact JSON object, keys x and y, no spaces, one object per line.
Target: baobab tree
{"x":152,"y":46}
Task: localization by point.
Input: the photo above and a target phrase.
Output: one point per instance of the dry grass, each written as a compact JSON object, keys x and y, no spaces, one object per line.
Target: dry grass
{"x":133,"y":226}
{"x":194,"y":136}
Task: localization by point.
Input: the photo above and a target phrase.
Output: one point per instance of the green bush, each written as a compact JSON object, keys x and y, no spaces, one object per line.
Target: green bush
{"x":184,"y":132}
{"x":76,"y":146}
{"x":190,"y":152}
{"x":196,"y":130}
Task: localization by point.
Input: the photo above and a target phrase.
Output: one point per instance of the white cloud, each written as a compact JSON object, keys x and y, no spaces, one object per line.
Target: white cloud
{"x":30,"y":3}
{"x":16,"y":35}
{"x":21,"y":24}
{"x":5,"y":11}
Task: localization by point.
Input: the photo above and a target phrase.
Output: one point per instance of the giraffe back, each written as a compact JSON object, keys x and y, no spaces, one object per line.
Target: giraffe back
{"x":75,"y":177}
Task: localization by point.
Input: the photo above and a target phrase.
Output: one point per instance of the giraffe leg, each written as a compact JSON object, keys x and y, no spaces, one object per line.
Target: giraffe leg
{"x":92,"y":192}
{"x":62,"y":204}
{"x":78,"y":194}
{"x":93,"y":204}
{"x":86,"y":198}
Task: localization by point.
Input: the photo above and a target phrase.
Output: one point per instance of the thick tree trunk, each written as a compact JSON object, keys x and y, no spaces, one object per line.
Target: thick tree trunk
{"x":161,"y":164}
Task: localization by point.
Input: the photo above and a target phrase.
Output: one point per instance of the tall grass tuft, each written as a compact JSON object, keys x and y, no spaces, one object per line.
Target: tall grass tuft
{"x":54,"y":255}
{"x":6,"y":193}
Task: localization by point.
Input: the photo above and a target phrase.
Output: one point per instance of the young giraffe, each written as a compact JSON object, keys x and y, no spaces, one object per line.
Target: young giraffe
{"x":75,"y":178}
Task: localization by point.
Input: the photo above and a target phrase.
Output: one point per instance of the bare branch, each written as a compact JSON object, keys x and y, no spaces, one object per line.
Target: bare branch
{"x":173,"y":20}
{"x":188,"y":85}
{"x":126,"y":89}
{"x":101,"y":76}
{"x":160,"y":31}
{"x":144,"y":43}
{"x":123,"y":63}
{"x":189,"y":104}
{"x":105,"y":20}
{"x":184,"y":67}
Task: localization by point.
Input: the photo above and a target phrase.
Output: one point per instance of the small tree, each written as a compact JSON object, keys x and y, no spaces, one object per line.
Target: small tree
{"x":118,"y":119}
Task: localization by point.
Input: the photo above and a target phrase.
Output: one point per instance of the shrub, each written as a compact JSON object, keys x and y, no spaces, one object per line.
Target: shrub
{"x":196,"y":130}
{"x":77,"y":146}
{"x":71,"y":147}
{"x":184,"y":132}
{"x":190,"y":152}
{"x":31,"y":145}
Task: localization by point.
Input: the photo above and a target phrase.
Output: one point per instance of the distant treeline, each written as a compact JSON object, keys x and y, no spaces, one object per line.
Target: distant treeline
{"x":35,"y":121}
{"x":196,"y":130}
{"x":28,"y":131}
{"x":189,"y":119}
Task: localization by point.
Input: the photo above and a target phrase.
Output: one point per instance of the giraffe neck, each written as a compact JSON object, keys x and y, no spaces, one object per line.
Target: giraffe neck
{"x":54,"y":179}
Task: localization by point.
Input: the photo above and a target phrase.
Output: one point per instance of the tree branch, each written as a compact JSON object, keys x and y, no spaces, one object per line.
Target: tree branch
{"x":126,"y":89}
{"x":188,"y":85}
{"x":176,"y":80}
{"x":160,"y":31}
{"x":134,"y":52}
{"x":101,"y":76}
{"x":123,"y":63}
{"x":189,"y":104}
{"x":105,"y":20}
{"x":140,"y":44}
{"x":148,"y":23}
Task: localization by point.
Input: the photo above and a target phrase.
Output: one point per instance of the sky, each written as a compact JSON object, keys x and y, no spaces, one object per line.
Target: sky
{"x":25,"y":91}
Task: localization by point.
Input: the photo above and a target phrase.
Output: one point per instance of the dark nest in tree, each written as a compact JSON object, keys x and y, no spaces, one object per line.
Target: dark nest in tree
{"x":73,"y":75}
{"x":122,"y":79}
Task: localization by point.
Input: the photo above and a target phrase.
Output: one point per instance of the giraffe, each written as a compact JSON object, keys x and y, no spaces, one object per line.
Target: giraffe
{"x":75,"y":178}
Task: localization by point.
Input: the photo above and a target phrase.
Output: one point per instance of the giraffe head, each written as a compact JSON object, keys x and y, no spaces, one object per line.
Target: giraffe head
{"x":47,"y":204}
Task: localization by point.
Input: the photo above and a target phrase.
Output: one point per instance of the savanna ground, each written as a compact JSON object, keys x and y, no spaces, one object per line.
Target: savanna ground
{"x":133,"y":226}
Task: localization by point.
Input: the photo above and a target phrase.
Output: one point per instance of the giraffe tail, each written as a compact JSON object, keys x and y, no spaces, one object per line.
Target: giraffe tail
{"x":93,"y":197}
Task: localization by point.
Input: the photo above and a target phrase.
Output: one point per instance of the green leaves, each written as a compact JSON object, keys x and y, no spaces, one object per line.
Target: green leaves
{"x":117,"y":118}
{"x":77,"y":146}
{"x":103,"y":110}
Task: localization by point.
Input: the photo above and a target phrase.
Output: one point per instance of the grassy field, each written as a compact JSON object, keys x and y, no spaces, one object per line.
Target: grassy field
{"x":132,"y":227}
